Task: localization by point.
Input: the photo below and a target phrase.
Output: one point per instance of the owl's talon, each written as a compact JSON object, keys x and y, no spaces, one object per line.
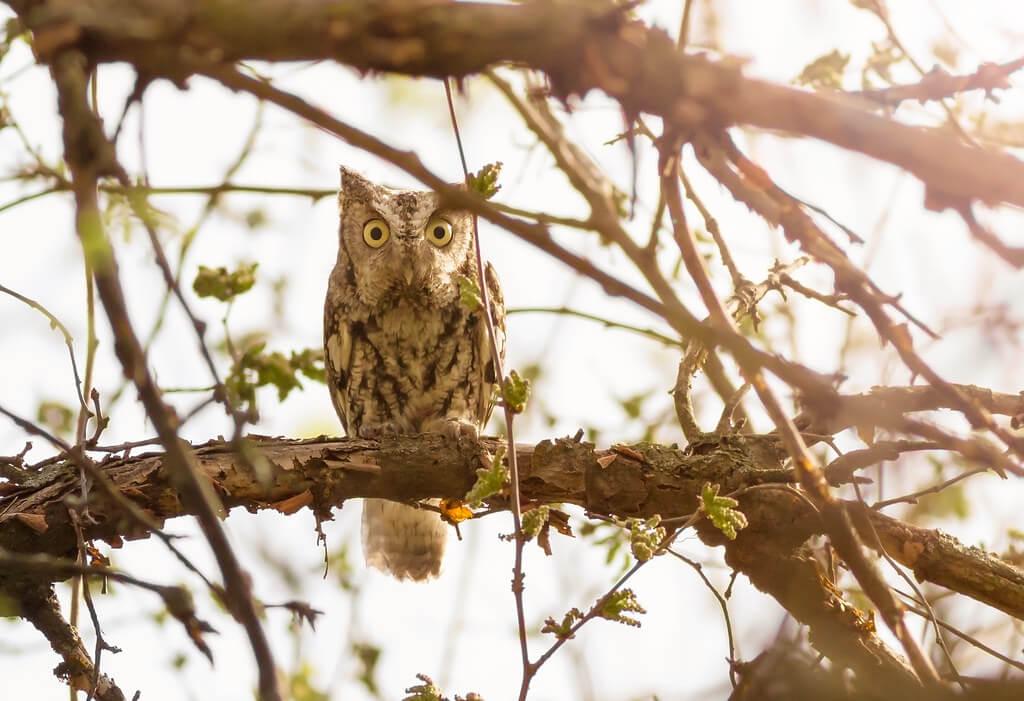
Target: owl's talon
{"x":458,"y":428}
{"x":385,"y":430}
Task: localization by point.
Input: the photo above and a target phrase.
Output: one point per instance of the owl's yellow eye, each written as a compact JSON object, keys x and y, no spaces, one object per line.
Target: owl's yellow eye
{"x":376,"y":233}
{"x":439,"y":232}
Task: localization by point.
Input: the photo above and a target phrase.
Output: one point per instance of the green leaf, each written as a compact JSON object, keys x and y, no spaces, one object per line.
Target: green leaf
{"x":368,"y":656}
{"x":224,"y":285}
{"x":274,"y":369}
{"x":534,"y":520}
{"x":515,"y":390}
{"x":255,"y":218}
{"x":310,"y":362}
{"x":427,"y":691}
{"x":825,"y":71}
{"x":616,"y":605}
{"x":721,"y":511}
{"x":633,"y":406}
{"x":485,"y":181}
{"x":880,"y":63}
{"x":57,"y":416}
{"x":488,"y":481}
{"x":613,"y":538}
{"x":645,"y":537}
{"x":300,"y":685}
{"x":563,"y":630}
{"x":469,"y":294}
{"x":254,"y":369}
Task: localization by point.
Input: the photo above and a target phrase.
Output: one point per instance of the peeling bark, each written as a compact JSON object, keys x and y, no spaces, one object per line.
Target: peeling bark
{"x":625,"y":481}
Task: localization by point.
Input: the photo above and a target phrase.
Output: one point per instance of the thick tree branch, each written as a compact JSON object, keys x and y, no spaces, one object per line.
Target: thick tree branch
{"x":638,"y":481}
{"x":886,"y":404}
{"x":580,"y":46}
{"x":939,"y":558}
{"x":35,"y":601}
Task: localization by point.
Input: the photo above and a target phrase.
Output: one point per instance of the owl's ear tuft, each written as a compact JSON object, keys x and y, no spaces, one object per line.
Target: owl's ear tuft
{"x":352,"y":185}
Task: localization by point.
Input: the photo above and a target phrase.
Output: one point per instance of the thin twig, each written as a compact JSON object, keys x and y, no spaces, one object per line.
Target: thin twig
{"x":934,"y":489}
{"x":957,"y":632}
{"x":534,"y":233}
{"x":721,"y":602}
{"x":876,"y":8}
{"x":28,"y":198}
{"x":917,"y":590}
{"x":212,"y":198}
{"x":88,"y":154}
{"x":54,"y":323}
{"x":837,"y":522}
{"x":684,"y":32}
{"x":39,"y":605}
{"x":101,"y":643}
{"x":482,"y":282}
{"x":711,"y":224}
{"x":937,"y":84}
{"x":649,"y":333}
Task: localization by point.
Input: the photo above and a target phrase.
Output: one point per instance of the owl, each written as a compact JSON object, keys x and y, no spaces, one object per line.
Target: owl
{"x":403,"y":354}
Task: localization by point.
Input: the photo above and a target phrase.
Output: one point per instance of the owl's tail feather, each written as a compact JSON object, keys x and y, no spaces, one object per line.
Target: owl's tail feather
{"x":406,"y":542}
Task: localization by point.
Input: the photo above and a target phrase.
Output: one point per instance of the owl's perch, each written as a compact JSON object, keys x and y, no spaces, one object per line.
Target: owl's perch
{"x":624,"y":481}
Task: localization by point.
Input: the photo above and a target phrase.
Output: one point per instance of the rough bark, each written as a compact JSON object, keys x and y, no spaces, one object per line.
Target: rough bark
{"x":580,"y":46}
{"x":625,"y":481}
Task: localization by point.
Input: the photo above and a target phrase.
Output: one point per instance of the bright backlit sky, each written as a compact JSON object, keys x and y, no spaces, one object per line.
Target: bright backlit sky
{"x":461,"y":629}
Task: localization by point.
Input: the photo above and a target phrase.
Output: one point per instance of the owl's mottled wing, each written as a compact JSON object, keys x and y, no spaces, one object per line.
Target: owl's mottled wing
{"x":338,"y":344}
{"x":490,"y":376}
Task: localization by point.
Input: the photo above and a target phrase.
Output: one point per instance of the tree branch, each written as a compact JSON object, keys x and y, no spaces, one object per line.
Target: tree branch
{"x":89,"y":156}
{"x":580,"y":47}
{"x":635,"y":481}
{"x":36,"y":602}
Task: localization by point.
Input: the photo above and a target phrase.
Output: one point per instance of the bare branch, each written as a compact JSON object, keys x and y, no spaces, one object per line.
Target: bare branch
{"x":90,"y":155}
{"x":580,"y":46}
{"x":38,"y":604}
{"x":938,"y":84}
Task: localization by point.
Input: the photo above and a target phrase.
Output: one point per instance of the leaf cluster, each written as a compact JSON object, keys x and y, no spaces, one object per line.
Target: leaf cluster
{"x":644,"y":536}
{"x":469,"y":294}
{"x":721,"y":511}
{"x":484,"y":182}
{"x":254,"y":368}
{"x":223,"y":284}
{"x":534,"y":520}
{"x":489,"y":481}
{"x":515,"y":391}
{"x":562,"y":630}
{"x":617,"y":604}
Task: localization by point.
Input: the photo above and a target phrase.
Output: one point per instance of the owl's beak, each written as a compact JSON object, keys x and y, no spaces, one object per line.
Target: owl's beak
{"x":409,"y":275}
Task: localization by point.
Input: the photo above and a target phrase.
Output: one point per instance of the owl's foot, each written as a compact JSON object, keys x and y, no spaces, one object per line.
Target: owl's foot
{"x":385,"y":430}
{"x":455,"y":428}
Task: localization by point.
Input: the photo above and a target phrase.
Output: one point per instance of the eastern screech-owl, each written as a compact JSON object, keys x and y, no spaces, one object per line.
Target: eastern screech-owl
{"x":403,"y":354}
